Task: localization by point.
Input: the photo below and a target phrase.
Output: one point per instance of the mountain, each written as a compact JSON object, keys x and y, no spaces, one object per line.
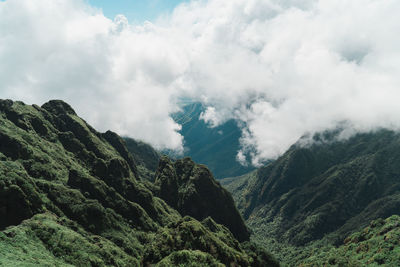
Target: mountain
{"x":145,"y":156}
{"x":316,"y":195}
{"x":71,"y":196}
{"x":191,"y":189}
{"x":215,"y":147}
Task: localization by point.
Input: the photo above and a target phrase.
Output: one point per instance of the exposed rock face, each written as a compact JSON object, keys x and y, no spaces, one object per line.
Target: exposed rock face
{"x":191,"y":189}
{"x":71,"y":195}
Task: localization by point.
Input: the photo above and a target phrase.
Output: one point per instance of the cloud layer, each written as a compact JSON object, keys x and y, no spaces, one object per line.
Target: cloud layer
{"x":282,"y":68}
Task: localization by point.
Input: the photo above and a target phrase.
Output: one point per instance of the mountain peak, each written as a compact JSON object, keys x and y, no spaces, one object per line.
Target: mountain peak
{"x":58,"y":107}
{"x":192,"y":190}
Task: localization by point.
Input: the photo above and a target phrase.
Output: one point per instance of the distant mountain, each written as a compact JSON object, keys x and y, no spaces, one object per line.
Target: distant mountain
{"x":145,"y":156}
{"x":71,"y":196}
{"x":321,"y":193}
{"x":215,"y":147}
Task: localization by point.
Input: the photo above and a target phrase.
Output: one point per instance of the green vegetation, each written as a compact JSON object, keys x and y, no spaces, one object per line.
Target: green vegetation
{"x":191,"y":189}
{"x":145,"y":156}
{"x":312,"y":197}
{"x":376,"y":244}
{"x":48,"y":240}
{"x":143,"y":153}
{"x":71,"y":196}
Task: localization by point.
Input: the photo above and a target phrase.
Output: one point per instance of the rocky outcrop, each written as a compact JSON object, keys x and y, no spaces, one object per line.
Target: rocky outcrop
{"x":192,"y":190}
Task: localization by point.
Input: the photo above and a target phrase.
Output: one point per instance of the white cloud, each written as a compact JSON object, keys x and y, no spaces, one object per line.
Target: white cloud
{"x":116,"y":76}
{"x":285,"y":68}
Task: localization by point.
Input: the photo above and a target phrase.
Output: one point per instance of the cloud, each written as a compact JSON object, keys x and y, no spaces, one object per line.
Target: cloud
{"x":116,"y":76}
{"x":282,"y":68}
{"x":290,"y":68}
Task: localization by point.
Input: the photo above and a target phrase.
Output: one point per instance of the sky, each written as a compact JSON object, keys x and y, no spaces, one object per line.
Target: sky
{"x":136,"y":11}
{"x":284,"y":69}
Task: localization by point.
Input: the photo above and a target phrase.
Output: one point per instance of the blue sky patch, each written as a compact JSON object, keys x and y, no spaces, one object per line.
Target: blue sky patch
{"x":137,"y":11}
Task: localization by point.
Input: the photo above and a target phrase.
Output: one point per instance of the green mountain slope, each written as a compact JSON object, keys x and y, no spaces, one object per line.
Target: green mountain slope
{"x":321,"y":193}
{"x":215,"y":147}
{"x":376,"y":244}
{"x":71,"y":196}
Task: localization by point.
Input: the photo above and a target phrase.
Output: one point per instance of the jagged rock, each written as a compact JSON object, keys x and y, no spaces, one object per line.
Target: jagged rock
{"x":192,"y":190}
{"x":58,"y":107}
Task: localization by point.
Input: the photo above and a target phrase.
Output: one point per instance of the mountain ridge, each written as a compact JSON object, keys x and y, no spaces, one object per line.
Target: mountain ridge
{"x":78,"y":195}
{"x":321,"y":193}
